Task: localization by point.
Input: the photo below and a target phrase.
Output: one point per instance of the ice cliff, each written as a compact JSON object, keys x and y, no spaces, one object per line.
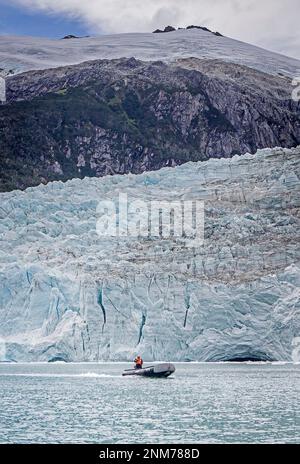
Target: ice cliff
{"x":66,"y":293}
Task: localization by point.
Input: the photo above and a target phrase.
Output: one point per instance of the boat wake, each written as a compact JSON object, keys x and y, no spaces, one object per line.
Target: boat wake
{"x":82,"y":375}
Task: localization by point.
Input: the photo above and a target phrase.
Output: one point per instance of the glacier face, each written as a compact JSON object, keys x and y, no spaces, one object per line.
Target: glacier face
{"x":29,"y":53}
{"x":66,"y":293}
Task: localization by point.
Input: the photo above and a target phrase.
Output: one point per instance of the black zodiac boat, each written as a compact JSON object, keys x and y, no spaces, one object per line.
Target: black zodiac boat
{"x":159,"y":370}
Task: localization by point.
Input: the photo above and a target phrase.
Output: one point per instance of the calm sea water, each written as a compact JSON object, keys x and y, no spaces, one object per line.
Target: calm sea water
{"x":202,"y":403}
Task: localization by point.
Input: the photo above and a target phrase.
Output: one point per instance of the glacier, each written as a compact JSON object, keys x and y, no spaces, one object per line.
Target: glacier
{"x":68,"y":294}
{"x":20,"y":54}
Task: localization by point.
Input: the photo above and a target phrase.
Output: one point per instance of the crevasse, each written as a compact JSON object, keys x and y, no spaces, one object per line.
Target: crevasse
{"x":66,"y":293}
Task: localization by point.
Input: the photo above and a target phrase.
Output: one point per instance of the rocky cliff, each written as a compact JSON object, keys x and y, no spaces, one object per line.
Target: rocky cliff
{"x":120,"y":116}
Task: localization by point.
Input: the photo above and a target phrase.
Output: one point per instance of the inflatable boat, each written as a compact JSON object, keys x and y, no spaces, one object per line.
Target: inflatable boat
{"x":159,"y":370}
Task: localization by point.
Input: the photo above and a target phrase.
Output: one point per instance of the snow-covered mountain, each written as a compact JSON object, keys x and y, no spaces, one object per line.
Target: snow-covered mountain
{"x":186,"y":95}
{"x":19,"y":54}
{"x":66,"y":293}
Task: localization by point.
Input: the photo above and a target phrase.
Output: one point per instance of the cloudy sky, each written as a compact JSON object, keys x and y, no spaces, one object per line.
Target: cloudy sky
{"x":272,"y":24}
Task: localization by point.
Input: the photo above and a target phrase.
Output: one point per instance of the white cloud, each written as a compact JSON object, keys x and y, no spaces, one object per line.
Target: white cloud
{"x":273,"y":24}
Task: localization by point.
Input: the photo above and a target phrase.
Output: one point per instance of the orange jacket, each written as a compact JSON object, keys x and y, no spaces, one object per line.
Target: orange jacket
{"x":138,"y":360}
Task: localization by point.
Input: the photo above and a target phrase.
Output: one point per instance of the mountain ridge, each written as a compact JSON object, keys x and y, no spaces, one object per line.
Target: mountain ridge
{"x":125,"y":115}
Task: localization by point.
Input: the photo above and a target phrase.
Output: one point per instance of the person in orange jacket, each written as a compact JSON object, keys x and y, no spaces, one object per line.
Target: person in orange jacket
{"x":138,"y":362}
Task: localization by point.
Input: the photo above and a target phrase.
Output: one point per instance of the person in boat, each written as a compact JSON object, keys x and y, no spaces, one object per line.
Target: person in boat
{"x":138,"y":362}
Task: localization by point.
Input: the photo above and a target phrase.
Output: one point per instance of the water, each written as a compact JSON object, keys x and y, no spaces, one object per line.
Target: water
{"x":202,"y":403}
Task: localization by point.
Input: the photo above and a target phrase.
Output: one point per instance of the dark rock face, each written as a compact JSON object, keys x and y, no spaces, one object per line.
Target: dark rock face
{"x":169,"y":29}
{"x":70,"y":36}
{"x":199,"y":27}
{"x":119,"y":116}
{"x":166,"y":29}
{"x":203,"y":28}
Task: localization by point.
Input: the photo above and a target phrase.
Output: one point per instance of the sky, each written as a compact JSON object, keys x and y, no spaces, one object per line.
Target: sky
{"x":271,"y":24}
